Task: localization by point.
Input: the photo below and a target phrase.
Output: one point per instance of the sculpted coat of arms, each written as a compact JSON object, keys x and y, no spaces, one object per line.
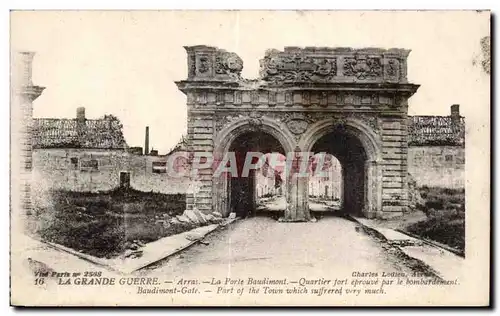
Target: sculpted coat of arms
{"x":298,"y":123}
{"x":363,"y":68}
{"x":297,"y":67}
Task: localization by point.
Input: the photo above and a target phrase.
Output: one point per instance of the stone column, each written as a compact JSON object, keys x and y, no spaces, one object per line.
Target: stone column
{"x":221,"y":186}
{"x":369,"y":210}
{"x":23,"y":93}
{"x":291,"y":199}
{"x":252,"y":179}
{"x":373,"y":190}
{"x":297,"y":209}
{"x":303,"y":213}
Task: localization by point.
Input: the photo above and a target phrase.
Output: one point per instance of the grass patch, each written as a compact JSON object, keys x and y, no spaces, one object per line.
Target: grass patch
{"x":103,"y":224}
{"x":445,"y":222}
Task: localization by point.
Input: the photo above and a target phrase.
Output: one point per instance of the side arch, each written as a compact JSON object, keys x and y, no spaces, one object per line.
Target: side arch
{"x":225,"y":138}
{"x":373,"y":165}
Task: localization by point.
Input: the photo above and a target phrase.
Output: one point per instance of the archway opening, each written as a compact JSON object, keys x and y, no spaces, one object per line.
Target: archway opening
{"x":245,"y":190}
{"x":325,"y":184}
{"x":352,"y":156}
{"x":270,"y":180}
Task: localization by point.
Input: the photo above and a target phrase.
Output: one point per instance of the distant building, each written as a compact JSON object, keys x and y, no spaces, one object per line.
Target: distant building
{"x":436,"y":149}
{"x":269,"y":181}
{"x":83,"y":154}
{"x":136,"y":150}
{"x":79,"y":154}
{"x":329,"y":184}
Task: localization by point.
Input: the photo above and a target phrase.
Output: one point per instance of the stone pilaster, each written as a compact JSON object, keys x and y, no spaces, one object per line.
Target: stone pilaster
{"x":23,"y":94}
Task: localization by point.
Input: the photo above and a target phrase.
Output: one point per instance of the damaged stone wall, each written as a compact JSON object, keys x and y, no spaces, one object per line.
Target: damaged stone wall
{"x":437,"y":166}
{"x":75,"y":170}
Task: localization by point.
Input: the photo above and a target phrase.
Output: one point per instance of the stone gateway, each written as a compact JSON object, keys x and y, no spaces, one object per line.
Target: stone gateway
{"x":351,"y":103}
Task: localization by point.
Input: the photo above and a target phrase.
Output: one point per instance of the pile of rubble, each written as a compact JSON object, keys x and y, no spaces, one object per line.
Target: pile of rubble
{"x":189,"y":217}
{"x":132,"y":249}
{"x":197,"y":218}
{"x":192,"y":218}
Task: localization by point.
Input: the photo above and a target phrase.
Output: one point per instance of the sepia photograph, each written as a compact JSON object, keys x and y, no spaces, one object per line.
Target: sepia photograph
{"x":250,"y":158}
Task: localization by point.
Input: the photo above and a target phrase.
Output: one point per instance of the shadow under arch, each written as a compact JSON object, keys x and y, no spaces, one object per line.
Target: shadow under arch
{"x":365,"y":134}
{"x":362,"y":177}
{"x":233,"y":134}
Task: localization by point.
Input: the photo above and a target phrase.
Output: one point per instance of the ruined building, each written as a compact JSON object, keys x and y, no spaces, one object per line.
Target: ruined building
{"x":436,"y":149}
{"x":79,"y":154}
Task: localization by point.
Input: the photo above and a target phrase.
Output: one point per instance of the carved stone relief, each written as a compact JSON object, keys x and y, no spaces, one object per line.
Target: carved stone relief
{"x":255,"y":120}
{"x":297,"y":126}
{"x":272,"y":98}
{"x":308,"y":98}
{"x":203,"y":65}
{"x":323,"y":99}
{"x":392,"y":69}
{"x":298,"y":123}
{"x":297,"y":67}
{"x":254,"y":98}
{"x":369,"y":120}
{"x":237,"y":97}
{"x":227,"y":63}
{"x":363,"y":67}
{"x":288,"y":98}
{"x":301,"y":65}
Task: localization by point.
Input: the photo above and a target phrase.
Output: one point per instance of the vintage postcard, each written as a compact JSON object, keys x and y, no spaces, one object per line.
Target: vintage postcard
{"x":250,"y":158}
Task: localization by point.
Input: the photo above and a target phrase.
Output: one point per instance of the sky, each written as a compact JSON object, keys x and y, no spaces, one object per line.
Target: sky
{"x":126,"y":63}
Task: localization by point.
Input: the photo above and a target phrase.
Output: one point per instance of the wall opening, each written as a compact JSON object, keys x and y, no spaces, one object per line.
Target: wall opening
{"x":124,"y":179}
{"x":243,"y":191}
{"x":352,"y":156}
{"x":325,"y":184}
{"x":271,"y":185}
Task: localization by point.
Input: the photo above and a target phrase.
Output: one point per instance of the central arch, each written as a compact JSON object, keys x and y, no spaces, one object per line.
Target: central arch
{"x":358,"y":149}
{"x":243,"y":135}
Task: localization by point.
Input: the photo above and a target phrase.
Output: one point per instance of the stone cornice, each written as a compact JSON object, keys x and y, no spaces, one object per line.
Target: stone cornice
{"x":31,"y":92}
{"x":377,"y":98}
{"x":343,"y":50}
{"x":186,"y":86}
{"x":279,"y":111}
